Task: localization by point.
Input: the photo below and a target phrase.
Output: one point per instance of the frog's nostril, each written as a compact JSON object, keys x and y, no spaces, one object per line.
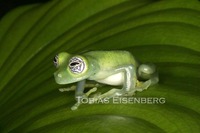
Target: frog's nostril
{"x":59,"y":75}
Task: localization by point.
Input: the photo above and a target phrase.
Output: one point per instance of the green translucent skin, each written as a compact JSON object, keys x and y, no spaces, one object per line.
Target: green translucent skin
{"x":96,"y":62}
{"x":107,"y":67}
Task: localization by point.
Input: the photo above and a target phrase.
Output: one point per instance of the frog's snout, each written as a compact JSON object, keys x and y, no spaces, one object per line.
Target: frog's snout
{"x":58,"y":77}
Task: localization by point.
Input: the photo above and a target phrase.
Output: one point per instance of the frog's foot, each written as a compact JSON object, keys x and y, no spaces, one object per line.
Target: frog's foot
{"x":122,"y":92}
{"x":142,"y":85}
{"x":79,"y":98}
{"x":110,"y":94}
{"x":73,"y":87}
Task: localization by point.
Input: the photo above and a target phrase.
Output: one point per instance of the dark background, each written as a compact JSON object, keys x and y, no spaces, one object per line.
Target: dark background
{"x":7,"y":5}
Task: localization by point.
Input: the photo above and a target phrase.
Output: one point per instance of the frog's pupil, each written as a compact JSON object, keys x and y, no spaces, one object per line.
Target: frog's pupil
{"x":55,"y":60}
{"x":74,"y":63}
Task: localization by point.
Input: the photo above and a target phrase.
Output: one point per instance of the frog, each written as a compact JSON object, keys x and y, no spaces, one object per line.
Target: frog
{"x":114,"y":68}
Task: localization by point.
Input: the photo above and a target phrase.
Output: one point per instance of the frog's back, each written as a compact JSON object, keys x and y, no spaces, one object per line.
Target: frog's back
{"x":110,"y":59}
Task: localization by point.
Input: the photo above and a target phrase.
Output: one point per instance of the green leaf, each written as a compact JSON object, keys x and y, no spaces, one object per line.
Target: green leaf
{"x":164,"y":32}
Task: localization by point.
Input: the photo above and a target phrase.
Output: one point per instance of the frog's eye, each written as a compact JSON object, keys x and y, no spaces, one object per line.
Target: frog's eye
{"x":55,"y":61}
{"x":76,"y":65}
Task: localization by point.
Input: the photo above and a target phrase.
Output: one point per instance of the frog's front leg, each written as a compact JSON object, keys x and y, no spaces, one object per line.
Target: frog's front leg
{"x":79,"y":93}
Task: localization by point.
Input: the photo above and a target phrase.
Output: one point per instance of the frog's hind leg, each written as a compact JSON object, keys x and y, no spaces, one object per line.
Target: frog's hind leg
{"x":129,"y":83}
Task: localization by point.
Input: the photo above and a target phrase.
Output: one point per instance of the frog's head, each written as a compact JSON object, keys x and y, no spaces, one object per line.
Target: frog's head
{"x":71,"y":68}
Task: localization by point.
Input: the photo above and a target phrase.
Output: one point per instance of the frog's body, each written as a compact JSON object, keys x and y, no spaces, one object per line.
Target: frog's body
{"x":111,"y":59}
{"x":107,"y":61}
{"x":107,"y":67}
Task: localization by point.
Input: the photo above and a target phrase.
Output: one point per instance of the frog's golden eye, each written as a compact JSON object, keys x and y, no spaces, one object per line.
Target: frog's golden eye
{"x":76,"y":65}
{"x":55,"y":61}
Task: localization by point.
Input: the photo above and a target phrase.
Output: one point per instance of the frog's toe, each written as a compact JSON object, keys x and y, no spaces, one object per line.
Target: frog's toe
{"x":75,"y":106}
{"x":91,"y":91}
{"x":112,"y":93}
{"x":143,"y":85}
{"x":72,"y":88}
